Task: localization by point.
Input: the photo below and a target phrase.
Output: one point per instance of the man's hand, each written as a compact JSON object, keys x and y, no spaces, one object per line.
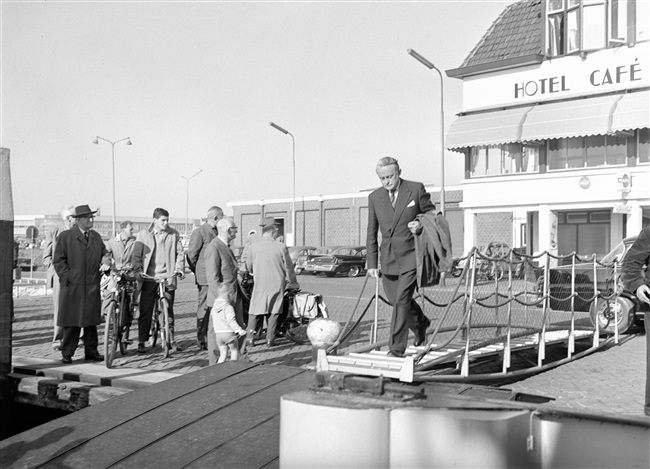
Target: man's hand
{"x":415,"y":226}
{"x":643,"y":294}
{"x":374,"y":273}
{"x":180,"y":274}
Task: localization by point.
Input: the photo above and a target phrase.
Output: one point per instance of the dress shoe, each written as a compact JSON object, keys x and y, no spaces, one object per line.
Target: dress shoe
{"x":95,"y":358}
{"x":142,"y":348}
{"x":422,"y":332}
{"x":271,"y":344}
{"x":66,"y":360}
{"x":395,"y":353}
{"x":176,"y":347}
{"x":250,"y":343}
{"x":203,"y":346}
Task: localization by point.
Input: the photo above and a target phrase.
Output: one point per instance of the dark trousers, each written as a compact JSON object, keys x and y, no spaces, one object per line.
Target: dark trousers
{"x":148,"y":298}
{"x":256,"y":322}
{"x":70,"y":340}
{"x":407,"y":314}
{"x":200,"y":312}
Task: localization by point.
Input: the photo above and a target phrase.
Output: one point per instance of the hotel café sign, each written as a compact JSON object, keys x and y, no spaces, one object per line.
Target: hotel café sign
{"x":599,"y":72}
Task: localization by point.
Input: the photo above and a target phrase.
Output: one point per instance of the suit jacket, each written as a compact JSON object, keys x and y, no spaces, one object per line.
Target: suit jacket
{"x":220,"y":267}
{"x":199,"y":241}
{"x":637,"y":257}
{"x":397,"y":241}
{"x":51,"y":238}
{"x":432,"y":249}
{"x":171,"y":245}
{"x":77,"y":262}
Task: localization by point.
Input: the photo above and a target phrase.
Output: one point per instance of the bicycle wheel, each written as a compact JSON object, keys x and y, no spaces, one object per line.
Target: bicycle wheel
{"x":110,"y":334}
{"x":122,"y":333}
{"x":155,"y":325}
{"x":164,"y":327}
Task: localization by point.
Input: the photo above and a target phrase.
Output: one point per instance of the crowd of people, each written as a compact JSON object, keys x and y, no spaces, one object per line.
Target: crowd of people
{"x":400,"y":211}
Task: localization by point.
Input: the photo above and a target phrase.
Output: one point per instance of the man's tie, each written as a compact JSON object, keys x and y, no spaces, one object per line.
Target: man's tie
{"x":86,"y":235}
{"x":392,"y":198}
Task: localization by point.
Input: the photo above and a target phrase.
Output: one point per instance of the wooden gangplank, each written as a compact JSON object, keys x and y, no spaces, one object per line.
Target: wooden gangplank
{"x":379,"y":363}
{"x":209,"y":418}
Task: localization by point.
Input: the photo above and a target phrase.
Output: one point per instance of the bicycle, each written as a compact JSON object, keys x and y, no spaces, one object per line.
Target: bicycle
{"x":120,"y":312}
{"x":160,"y":315}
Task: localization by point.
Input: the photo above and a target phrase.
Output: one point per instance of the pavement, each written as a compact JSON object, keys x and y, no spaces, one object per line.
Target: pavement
{"x":607,"y":382}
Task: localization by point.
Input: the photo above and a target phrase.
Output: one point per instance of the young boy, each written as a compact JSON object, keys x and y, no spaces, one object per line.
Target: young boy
{"x":225,"y":325}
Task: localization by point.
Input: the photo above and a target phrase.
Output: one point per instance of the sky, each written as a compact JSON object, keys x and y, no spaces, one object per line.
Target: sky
{"x":195,"y":84}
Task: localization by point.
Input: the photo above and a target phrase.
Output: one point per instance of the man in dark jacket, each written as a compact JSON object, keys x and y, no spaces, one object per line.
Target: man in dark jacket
{"x":392,"y":209}
{"x":636,"y":279}
{"x":199,"y":241}
{"x":77,"y":261}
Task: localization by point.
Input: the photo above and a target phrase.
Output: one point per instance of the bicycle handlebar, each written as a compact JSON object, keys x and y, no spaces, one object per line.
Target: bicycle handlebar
{"x":160,"y":279}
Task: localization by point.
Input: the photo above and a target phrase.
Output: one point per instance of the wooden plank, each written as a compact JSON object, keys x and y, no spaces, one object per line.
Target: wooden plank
{"x":48,"y":441}
{"x":214,"y":436}
{"x":135,"y":434}
{"x":257,"y":448}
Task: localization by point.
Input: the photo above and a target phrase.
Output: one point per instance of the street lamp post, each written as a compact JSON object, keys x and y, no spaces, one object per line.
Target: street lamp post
{"x":187,"y":198}
{"x":293,"y":197}
{"x":430,"y":66}
{"x":128,"y":142}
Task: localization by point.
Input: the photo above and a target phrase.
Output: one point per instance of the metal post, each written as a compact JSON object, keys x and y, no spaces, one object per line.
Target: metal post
{"x":293,"y":195}
{"x":128,"y":142}
{"x":187,"y":198}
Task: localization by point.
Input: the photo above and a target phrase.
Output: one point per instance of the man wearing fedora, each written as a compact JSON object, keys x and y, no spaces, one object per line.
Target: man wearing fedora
{"x":272,"y":269}
{"x":78,"y":258}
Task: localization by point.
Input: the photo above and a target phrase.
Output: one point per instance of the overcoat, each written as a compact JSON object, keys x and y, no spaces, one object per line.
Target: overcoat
{"x":77,"y":262}
{"x":51,"y":238}
{"x":269,"y":262}
{"x":199,"y":240}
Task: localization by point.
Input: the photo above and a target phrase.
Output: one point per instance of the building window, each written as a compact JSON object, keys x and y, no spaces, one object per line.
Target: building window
{"x":511,"y":158}
{"x":576,"y":26}
{"x":586,"y":152}
{"x":643,"y":147}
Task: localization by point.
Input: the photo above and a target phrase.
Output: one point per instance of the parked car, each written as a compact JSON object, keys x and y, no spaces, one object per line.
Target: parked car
{"x":300,"y":252}
{"x":350,"y":260}
{"x":26,"y":264}
{"x":302,"y":259}
{"x":624,"y":305}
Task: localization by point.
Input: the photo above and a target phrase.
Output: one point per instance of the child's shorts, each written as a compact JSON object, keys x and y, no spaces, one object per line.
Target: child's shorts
{"x":225,"y":338}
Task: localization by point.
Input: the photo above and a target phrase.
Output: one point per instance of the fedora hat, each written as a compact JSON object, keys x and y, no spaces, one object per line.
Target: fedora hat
{"x":83,"y":211}
{"x":268,"y":221}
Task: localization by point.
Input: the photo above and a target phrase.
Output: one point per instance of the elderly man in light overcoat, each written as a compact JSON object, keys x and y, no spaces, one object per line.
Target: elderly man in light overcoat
{"x":272,"y":269}
{"x":51,"y":238}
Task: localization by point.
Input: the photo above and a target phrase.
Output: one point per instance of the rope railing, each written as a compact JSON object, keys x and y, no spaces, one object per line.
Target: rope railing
{"x":508,"y":284}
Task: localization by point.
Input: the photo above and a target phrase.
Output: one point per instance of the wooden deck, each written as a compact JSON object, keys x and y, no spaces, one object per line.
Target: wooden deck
{"x":221,"y":416}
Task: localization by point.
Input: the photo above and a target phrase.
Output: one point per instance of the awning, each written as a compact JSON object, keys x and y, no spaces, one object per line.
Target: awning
{"x":575,"y":118}
{"x":632,"y":112}
{"x":487,"y":128}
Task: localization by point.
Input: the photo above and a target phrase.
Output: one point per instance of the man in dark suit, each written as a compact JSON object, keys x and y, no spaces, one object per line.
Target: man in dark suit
{"x":199,"y":241}
{"x":221,"y":269}
{"x":77,"y":261}
{"x":392,"y":209}
{"x":636,"y":278}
